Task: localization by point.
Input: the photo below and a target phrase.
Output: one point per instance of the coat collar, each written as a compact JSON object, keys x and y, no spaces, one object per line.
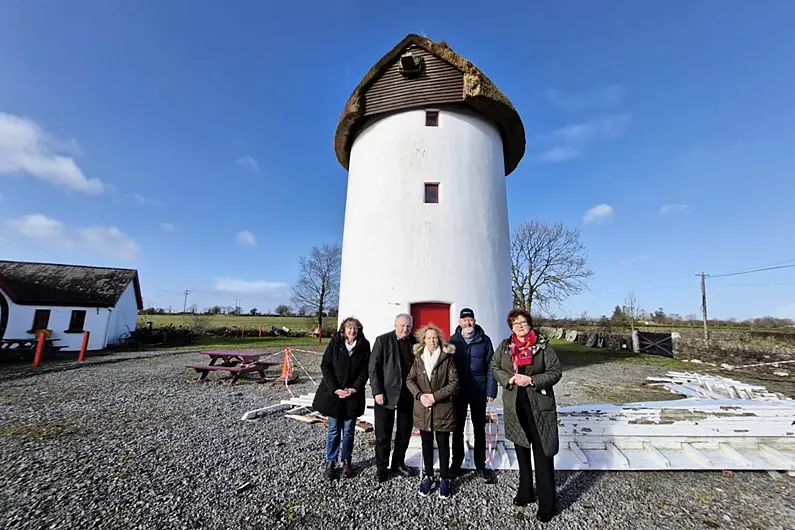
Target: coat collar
{"x":447,"y":349}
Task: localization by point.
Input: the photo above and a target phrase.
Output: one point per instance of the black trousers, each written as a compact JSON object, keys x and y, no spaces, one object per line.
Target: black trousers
{"x":384,"y":422}
{"x":443,"y":444}
{"x":477,"y":405}
{"x":545,"y":466}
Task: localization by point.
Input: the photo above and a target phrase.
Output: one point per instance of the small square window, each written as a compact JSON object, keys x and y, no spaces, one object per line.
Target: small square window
{"x":41,"y":319}
{"x":77,"y":321}
{"x":432,"y":192}
{"x":431,"y":118}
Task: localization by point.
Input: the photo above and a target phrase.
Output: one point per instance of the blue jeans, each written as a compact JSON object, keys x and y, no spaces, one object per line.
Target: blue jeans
{"x":333,"y":439}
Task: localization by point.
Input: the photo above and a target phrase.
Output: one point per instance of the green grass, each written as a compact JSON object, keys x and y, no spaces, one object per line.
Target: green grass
{"x":575,"y":354}
{"x":213,"y":321}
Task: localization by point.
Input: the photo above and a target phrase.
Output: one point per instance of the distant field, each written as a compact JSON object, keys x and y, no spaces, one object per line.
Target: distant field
{"x":293,"y":323}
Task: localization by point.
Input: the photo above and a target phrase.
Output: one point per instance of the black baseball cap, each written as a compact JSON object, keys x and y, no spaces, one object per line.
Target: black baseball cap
{"x":466,"y":312}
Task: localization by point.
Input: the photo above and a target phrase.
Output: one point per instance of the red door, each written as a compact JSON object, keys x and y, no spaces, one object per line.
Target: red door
{"x":432,"y":313}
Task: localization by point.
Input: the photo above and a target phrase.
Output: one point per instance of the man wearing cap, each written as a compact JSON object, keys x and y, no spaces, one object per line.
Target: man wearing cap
{"x":473,"y":353}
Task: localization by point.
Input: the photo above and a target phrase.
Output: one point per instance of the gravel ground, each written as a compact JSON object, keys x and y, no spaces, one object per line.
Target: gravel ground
{"x":139,"y":443}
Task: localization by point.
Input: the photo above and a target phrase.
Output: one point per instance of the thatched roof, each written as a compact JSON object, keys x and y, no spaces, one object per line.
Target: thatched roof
{"x":51,"y":284}
{"x":480,"y":93}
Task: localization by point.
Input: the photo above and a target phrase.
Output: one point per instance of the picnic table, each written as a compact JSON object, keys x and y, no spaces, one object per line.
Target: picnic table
{"x":21,"y":345}
{"x":234,"y":362}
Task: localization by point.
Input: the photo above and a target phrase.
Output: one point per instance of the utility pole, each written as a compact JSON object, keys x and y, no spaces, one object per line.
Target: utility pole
{"x":704,"y":304}
{"x":185,"y":304}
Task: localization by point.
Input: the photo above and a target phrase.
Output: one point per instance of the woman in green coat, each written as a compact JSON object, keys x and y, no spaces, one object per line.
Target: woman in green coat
{"x":526,"y":366}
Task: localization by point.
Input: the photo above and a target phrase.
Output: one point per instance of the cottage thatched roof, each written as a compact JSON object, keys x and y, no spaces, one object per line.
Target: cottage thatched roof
{"x":51,"y":284}
{"x":480,"y":93}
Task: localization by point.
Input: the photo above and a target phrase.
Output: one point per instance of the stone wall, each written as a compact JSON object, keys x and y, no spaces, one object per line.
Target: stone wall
{"x":727,"y":349}
{"x":738,"y":349}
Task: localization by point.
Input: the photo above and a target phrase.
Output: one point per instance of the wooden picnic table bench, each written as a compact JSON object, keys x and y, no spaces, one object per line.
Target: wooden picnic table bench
{"x":231,"y":358}
{"x":205,"y":369}
{"x":234,"y":362}
{"x":21,"y":345}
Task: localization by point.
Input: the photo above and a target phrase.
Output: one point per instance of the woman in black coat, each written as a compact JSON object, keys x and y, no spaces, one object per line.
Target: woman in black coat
{"x":340,"y":396}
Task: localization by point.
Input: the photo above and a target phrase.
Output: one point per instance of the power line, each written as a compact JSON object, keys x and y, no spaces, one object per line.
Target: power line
{"x":750,"y":271}
{"x":785,"y":262}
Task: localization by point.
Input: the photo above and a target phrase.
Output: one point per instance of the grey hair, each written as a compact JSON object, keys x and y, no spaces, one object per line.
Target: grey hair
{"x":406,"y":316}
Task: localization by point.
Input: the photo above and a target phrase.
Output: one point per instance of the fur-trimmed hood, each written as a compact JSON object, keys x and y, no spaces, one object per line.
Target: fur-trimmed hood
{"x":448,"y":348}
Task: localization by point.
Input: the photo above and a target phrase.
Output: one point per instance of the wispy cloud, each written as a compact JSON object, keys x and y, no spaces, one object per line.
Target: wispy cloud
{"x":248,"y":163}
{"x":246,"y":238}
{"x":558,"y":154}
{"x":25,"y":149}
{"x":598,"y":214}
{"x":232,"y":285}
{"x":674,"y":208}
{"x":604,"y":97}
{"x":144,"y":200}
{"x":572,"y":140}
{"x":168,"y":227}
{"x":605,"y":128}
{"x":634,"y":259}
{"x":107,"y":240}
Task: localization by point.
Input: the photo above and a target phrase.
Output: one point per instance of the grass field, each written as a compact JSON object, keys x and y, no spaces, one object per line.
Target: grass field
{"x":293,"y":323}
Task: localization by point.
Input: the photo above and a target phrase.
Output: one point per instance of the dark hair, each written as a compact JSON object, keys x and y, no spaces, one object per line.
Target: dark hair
{"x":513,"y":314}
{"x":350,"y":320}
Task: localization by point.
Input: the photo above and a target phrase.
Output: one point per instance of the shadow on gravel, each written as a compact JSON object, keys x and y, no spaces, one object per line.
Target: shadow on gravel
{"x":576,"y":484}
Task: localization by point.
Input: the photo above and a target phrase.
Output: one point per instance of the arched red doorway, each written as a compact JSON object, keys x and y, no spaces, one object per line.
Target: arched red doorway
{"x":434,"y":313}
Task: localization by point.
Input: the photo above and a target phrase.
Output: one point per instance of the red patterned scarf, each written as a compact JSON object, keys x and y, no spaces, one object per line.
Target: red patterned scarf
{"x":521,"y":353}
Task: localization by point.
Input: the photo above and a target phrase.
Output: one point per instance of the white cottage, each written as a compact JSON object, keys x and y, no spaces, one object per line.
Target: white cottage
{"x":67,"y":300}
{"x":427,"y":140}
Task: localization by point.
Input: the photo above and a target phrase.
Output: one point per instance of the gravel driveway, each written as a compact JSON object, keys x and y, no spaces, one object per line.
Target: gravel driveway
{"x":139,"y":443}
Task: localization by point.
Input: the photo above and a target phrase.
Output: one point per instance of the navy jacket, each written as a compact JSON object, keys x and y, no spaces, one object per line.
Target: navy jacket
{"x":473,"y":363}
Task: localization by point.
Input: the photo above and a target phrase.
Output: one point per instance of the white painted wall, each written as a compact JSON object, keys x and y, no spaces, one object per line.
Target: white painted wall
{"x":124,"y":315}
{"x":20,"y":320}
{"x":397,"y":250}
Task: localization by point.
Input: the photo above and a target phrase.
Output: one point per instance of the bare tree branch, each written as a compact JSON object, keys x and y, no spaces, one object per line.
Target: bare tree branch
{"x":548,"y":264}
{"x":318,"y":283}
{"x":631,"y":308}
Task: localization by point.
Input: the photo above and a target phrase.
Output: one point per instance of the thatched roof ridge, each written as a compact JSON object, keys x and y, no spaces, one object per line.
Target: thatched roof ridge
{"x":55,"y":284}
{"x":480,"y":93}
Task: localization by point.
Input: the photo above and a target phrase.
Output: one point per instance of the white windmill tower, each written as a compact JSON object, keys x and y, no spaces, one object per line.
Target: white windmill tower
{"x":427,"y":140}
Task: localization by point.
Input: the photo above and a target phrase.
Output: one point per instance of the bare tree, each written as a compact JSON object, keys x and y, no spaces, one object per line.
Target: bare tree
{"x":547,"y":265}
{"x":199,"y":323}
{"x":631,"y":308}
{"x":318,"y":280}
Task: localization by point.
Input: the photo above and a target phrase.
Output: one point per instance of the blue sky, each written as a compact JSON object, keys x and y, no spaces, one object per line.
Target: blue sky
{"x":192,"y":140}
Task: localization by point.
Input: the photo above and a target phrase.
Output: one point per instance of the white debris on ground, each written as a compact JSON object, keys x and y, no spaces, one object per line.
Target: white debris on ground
{"x":725,"y":425}
{"x":713,"y":387}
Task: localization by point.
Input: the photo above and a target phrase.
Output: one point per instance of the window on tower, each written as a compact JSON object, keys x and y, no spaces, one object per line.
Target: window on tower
{"x":431,"y":192}
{"x":431,"y":118}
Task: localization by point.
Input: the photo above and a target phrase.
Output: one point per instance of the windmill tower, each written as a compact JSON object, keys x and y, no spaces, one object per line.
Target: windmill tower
{"x":427,"y":140}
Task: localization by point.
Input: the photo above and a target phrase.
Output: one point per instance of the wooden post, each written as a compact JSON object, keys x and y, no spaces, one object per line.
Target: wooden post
{"x":704,"y":305}
{"x":39,"y":349}
{"x":259,"y":331}
{"x":84,"y":346}
{"x":243,"y":334}
{"x":320,"y":335}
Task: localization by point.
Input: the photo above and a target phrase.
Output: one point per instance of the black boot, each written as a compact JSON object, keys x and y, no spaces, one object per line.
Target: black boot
{"x":347,"y":470}
{"x":331,"y":471}
{"x":524,"y":500}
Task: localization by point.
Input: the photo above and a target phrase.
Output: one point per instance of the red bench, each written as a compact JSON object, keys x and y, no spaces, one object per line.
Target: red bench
{"x":234,"y":370}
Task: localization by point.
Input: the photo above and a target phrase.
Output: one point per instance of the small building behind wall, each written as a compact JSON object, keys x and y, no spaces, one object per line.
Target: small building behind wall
{"x":67,"y":300}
